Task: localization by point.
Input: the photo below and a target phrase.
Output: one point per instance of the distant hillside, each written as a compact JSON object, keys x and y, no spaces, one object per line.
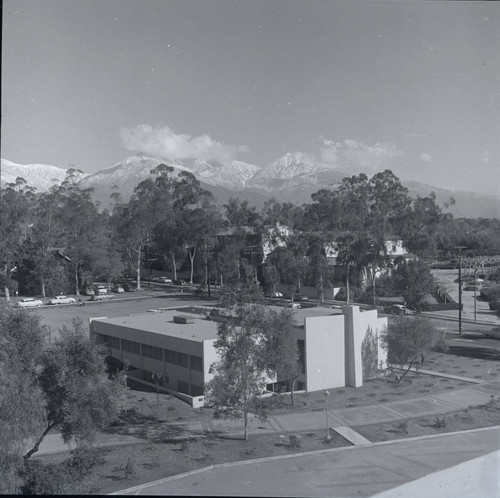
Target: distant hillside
{"x":290,"y":178}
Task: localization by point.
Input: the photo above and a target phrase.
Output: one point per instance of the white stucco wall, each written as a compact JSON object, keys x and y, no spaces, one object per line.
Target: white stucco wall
{"x":324,"y":352}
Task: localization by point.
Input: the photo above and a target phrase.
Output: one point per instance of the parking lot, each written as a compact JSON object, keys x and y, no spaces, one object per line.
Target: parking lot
{"x":55,"y":317}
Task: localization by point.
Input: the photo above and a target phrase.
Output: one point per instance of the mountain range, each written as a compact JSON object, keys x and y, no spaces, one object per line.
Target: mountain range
{"x":290,"y":178}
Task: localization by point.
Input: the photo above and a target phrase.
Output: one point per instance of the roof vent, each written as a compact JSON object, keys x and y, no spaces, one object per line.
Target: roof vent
{"x":182,"y":319}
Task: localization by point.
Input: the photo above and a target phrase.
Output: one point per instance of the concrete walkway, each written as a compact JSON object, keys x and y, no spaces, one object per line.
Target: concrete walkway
{"x":434,"y":405}
{"x":409,"y":467}
{"x":438,"y":404}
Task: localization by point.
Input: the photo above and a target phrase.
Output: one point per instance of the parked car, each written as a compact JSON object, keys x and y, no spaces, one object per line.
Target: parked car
{"x":102,"y":297}
{"x":180,"y":282}
{"x":399,"y":309}
{"x":88,"y":291}
{"x":29,"y":302}
{"x":276,"y":294}
{"x":62,"y":300}
{"x":128,"y":287}
{"x":100,"y":290}
{"x":301,"y":297}
{"x":118,"y":288}
{"x":166,"y":280}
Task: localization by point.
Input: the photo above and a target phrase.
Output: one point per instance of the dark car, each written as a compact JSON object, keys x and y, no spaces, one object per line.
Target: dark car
{"x":128,"y":287}
{"x":399,"y":309}
{"x":180,"y":282}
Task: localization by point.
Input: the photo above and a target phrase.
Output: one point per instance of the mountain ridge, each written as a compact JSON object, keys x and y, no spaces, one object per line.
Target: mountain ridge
{"x":292,"y":177}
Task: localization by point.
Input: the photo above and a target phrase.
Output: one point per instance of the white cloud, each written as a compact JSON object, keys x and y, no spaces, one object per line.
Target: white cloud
{"x":352,"y":153}
{"x":426,"y":158}
{"x":164,"y":142}
{"x":486,"y":157}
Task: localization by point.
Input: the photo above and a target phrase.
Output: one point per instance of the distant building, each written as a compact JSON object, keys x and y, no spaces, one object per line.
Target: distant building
{"x":176,"y":349}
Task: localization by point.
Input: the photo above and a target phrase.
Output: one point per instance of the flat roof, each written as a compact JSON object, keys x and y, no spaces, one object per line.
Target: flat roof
{"x":300,"y":314}
{"x":162,"y":322}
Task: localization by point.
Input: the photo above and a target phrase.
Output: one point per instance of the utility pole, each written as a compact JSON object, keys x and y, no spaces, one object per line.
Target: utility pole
{"x":328,"y":437}
{"x":459,"y":249}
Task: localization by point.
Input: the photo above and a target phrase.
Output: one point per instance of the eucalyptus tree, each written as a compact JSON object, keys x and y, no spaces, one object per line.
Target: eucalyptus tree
{"x":241,"y":373}
{"x":78,"y":215}
{"x":17,"y":201}
{"x":135,"y":222}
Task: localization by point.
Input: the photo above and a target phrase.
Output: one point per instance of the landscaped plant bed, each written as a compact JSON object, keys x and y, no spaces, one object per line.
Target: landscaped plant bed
{"x":469,"y":418}
{"x":127,"y":466}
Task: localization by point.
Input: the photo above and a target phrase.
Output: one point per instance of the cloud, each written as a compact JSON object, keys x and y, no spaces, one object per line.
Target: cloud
{"x":426,"y":158}
{"x":352,"y":153}
{"x":164,"y":142}
{"x":485,"y":157}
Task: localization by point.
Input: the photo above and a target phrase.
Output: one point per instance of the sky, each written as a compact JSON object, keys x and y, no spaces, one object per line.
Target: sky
{"x":408,"y":85}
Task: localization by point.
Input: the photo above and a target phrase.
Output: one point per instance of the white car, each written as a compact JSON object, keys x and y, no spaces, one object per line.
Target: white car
{"x":29,"y":302}
{"x":100,"y":290}
{"x":62,"y":300}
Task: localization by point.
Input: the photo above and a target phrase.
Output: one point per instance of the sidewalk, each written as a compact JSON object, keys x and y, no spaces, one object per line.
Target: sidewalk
{"x":465,"y":463}
{"x":439,"y":404}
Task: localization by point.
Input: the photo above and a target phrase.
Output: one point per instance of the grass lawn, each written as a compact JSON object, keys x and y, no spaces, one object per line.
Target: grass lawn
{"x":161,"y":455}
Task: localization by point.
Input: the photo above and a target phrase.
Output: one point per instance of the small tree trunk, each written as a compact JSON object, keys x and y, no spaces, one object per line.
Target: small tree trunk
{"x":138,"y":281}
{"x":77,"y":291}
{"x":191,"y":258}
{"x":7,"y":293}
{"x":175,"y":267}
{"x":407,"y":370}
{"x":292,"y":392}
{"x":39,"y":440}
{"x":245,"y":419}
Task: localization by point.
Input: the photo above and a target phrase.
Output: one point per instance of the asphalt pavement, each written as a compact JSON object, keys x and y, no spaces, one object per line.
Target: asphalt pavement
{"x":410,"y":467}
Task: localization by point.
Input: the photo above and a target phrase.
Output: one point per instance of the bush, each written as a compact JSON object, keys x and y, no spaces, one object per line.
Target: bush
{"x":355,"y":293}
{"x":490,"y":293}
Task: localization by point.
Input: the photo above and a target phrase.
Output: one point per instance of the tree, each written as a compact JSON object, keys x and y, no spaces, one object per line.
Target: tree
{"x":78,"y":214}
{"x":414,"y":281}
{"x":150,"y":204}
{"x":407,"y":339}
{"x":15,"y":225}
{"x":282,"y":353}
{"x":80,"y":398}
{"x":22,"y":414}
{"x":240,"y":374}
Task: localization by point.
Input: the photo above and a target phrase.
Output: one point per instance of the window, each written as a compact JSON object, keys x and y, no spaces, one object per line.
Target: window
{"x":113,"y":342}
{"x":131,"y":346}
{"x":196,"y":363}
{"x":301,"y":356}
{"x":176,"y":358}
{"x":152,"y":352}
{"x":100,"y":338}
{"x":196,"y":390}
{"x":182,"y":387}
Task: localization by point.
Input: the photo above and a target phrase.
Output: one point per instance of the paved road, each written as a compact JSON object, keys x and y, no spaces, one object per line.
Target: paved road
{"x":353,"y":471}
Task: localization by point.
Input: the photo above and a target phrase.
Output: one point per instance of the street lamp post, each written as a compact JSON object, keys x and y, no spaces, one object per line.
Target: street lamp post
{"x":328,"y":437}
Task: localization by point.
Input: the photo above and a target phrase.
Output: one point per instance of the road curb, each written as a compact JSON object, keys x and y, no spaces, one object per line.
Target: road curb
{"x":140,"y":487}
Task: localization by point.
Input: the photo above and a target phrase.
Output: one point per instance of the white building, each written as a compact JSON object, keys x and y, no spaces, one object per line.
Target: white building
{"x":176,"y":348}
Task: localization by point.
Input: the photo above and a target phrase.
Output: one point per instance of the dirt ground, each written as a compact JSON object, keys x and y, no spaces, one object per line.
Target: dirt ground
{"x":144,"y":415}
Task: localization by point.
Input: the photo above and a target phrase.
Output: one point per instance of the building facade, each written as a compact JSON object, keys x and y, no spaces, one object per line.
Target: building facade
{"x":175,"y":349}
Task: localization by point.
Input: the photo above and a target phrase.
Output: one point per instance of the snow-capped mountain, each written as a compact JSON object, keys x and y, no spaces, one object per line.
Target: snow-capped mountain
{"x":39,"y":176}
{"x":286,"y":167}
{"x":125,"y":175}
{"x":233,"y":175}
{"x":290,"y":178}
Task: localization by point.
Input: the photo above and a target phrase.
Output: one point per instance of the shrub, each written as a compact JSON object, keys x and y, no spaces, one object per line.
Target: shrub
{"x":439,"y":422}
